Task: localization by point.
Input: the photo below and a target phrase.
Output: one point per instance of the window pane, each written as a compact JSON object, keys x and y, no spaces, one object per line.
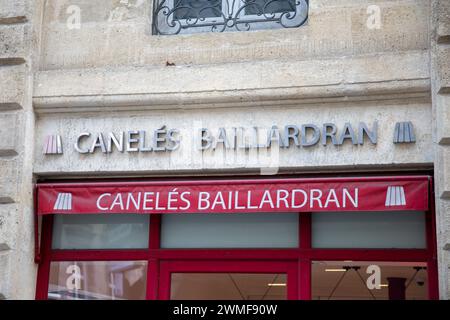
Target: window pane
{"x":252,"y":230}
{"x":398,"y":229}
{"x":185,"y":9}
{"x":91,"y":280}
{"x":227,"y":286}
{"x":337,"y":280}
{"x":269,"y":6}
{"x":100,"y":231}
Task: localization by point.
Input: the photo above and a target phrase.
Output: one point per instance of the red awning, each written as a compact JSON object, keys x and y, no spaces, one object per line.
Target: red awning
{"x":234,"y":196}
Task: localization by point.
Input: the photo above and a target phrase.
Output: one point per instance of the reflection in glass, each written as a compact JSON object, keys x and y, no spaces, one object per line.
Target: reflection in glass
{"x":388,"y":229}
{"x":100,"y":231}
{"x":237,"y":230}
{"x":227,"y":286}
{"x":337,"y":280}
{"x":92,"y":280}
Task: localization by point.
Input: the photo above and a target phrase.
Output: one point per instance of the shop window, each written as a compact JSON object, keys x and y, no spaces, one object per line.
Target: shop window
{"x":251,"y":230}
{"x":402,"y":230}
{"x":228,"y":286}
{"x":193,"y":16}
{"x":130,"y":231}
{"x":355,"y":280}
{"x":98,"y":280}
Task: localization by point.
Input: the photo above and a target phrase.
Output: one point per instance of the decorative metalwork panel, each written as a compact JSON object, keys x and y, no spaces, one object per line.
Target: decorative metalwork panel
{"x":191,"y":16}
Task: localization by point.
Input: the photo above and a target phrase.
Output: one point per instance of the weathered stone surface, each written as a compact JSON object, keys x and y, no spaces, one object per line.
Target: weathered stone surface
{"x":12,"y":89}
{"x":268,"y":83}
{"x":394,"y":17}
{"x":189,"y":159}
{"x":448,"y":272}
{"x":443,"y":68}
{"x":440,"y":63}
{"x":8,"y":180}
{"x":20,"y":276}
{"x":333,"y":30}
{"x":444,"y":215}
{"x":6,"y":199}
{"x":444,"y":171}
{"x":443,"y":21}
{"x":10,"y":9}
{"x":444,"y":240}
{"x":8,"y":226}
{"x":442,"y":109}
{"x":9,"y":134}
{"x":5,"y":284}
{"x":13,"y":45}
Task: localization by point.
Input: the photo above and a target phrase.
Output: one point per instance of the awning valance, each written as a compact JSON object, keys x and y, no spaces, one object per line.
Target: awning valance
{"x":236,"y":196}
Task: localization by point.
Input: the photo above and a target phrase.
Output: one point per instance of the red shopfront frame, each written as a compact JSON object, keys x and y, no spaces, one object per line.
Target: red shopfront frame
{"x":163,"y":261}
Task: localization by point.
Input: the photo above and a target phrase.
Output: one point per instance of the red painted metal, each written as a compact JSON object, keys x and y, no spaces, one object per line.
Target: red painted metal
{"x":405,"y":255}
{"x":292,"y":281}
{"x":152,"y":279}
{"x":37,"y":253}
{"x":155,"y":231}
{"x":43,"y":273}
{"x":432,"y":265}
{"x":153,"y":262}
{"x":231,"y":196}
{"x":304,"y":275}
{"x":304,"y":263}
{"x":305,"y":231}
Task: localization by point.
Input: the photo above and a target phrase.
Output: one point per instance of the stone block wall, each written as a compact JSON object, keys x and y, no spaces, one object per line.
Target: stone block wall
{"x":17,"y":31}
{"x":440,"y":79}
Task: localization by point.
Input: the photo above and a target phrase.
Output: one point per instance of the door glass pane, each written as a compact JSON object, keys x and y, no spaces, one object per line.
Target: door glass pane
{"x":227,"y":286}
{"x":356,"y":280}
{"x":396,"y":229}
{"x":116,"y":231}
{"x":92,"y":280}
{"x":252,"y":230}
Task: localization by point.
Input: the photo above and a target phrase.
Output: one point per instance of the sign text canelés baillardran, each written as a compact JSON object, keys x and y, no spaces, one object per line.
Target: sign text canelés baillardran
{"x":162,"y":139}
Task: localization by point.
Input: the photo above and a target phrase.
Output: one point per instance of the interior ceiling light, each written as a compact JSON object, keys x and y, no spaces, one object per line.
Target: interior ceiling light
{"x":335,"y":270}
{"x":276,"y":284}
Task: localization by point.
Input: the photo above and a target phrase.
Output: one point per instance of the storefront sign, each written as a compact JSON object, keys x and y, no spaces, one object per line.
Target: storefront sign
{"x":169,"y":139}
{"x":229,"y":196}
{"x":306,"y":135}
{"x":131,"y":141}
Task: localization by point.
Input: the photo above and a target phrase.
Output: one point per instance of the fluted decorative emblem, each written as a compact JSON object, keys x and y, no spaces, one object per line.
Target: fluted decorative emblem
{"x":404,"y":132}
{"x":53,"y":144}
{"x":395,"y":196}
{"x":177,"y":16}
{"x":63,"y":202}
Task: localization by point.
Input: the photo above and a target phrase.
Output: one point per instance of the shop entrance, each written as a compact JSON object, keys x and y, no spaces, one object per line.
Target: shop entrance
{"x":228,"y":280}
{"x":384,"y":248}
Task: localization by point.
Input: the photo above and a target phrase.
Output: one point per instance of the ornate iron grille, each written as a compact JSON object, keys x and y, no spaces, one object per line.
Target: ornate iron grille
{"x":190,"y":16}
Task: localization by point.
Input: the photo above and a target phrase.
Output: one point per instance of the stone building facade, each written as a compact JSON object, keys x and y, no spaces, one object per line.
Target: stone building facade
{"x":73,"y":66}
